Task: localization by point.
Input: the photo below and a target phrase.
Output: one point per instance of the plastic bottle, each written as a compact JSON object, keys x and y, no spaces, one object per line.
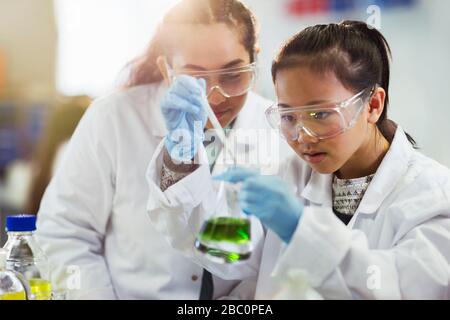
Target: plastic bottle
{"x":26,"y":257}
{"x":12,"y":284}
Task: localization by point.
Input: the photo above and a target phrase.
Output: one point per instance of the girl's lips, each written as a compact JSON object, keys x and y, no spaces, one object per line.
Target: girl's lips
{"x":315,"y":158}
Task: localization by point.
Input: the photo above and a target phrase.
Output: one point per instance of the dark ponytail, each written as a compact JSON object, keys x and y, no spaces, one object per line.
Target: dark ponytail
{"x":356,"y":53}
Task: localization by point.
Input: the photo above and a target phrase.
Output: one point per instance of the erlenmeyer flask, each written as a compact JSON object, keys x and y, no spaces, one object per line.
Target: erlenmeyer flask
{"x":226,"y":236}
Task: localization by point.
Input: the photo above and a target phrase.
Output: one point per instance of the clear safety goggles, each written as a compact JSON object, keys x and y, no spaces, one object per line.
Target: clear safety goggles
{"x":321,"y":121}
{"x":230,"y":82}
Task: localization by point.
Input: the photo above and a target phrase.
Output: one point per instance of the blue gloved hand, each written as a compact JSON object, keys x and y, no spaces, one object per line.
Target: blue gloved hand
{"x":269,"y":198}
{"x":185,"y":114}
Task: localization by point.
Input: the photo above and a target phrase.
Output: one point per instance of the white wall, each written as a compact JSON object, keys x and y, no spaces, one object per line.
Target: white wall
{"x":420,"y":42}
{"x":98,"y":37}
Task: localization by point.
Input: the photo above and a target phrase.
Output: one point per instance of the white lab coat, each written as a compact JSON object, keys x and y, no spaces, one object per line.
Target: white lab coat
{"x":92,"y":221}
{"x":397,"y":245}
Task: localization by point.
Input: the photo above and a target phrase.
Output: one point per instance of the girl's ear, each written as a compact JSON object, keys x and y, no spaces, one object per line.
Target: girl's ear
{"x":162,"y":66}
{"x":376,"y":105}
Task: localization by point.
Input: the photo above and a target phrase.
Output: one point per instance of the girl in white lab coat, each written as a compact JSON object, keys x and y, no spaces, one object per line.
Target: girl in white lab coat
{"x":358,"y":213}
{"x":92,"y":220}
{"x":369,"y":216}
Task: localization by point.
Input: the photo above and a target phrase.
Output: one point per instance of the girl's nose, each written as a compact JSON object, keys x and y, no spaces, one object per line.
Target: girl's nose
{"x":306,"y":138}
{"x":215,"y":97}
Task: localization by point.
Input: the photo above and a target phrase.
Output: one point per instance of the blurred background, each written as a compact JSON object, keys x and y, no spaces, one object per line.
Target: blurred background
{"x":58,"y":55}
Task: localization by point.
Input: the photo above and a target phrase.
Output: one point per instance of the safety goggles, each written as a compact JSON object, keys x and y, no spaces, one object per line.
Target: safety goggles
{"x":321,"y":121}
{"x":230,"y":82}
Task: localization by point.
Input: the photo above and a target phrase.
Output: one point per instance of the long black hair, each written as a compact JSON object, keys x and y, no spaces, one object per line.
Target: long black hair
{"x":356,"y":53}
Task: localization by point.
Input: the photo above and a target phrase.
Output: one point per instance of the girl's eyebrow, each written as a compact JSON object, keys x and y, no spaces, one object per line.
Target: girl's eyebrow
{"x":232,"y":63}
{"x":314,"y":102}
{"x":309,"y":103}
{"x":225,"y":66}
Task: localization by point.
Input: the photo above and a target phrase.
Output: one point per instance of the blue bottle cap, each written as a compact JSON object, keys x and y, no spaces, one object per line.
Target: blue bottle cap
{"x":21,"y":223}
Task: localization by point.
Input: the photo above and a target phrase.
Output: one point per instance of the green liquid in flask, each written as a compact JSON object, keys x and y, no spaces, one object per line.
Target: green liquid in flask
{"x":225,"y":239}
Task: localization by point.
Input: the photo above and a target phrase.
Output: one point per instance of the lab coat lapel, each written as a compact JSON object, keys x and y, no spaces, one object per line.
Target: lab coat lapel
{"x":391,"y":170}
{"x":318,"y":189}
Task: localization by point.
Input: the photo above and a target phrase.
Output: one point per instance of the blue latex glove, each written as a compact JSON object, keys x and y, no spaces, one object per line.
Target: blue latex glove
{"x":185,"y":114}
{"x":269,"y":198}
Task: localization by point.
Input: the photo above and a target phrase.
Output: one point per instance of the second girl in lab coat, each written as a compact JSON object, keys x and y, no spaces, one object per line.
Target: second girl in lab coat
{"x":92,"y":221}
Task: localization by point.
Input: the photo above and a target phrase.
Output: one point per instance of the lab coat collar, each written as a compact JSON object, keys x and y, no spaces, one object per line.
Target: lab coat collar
{"x":318,"y":189}
{"x":394,"y":165}
{"x":391,"y":170}
{"x":252,"y":109}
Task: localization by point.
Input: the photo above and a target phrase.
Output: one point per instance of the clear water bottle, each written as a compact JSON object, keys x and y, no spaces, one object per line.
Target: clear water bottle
{"x":26,"y":257}
{"x":12,"y":285}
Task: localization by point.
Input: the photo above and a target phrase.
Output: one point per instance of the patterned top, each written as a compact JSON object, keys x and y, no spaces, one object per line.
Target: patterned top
{"x":171,"y":173}
{"x":347,"y":194}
